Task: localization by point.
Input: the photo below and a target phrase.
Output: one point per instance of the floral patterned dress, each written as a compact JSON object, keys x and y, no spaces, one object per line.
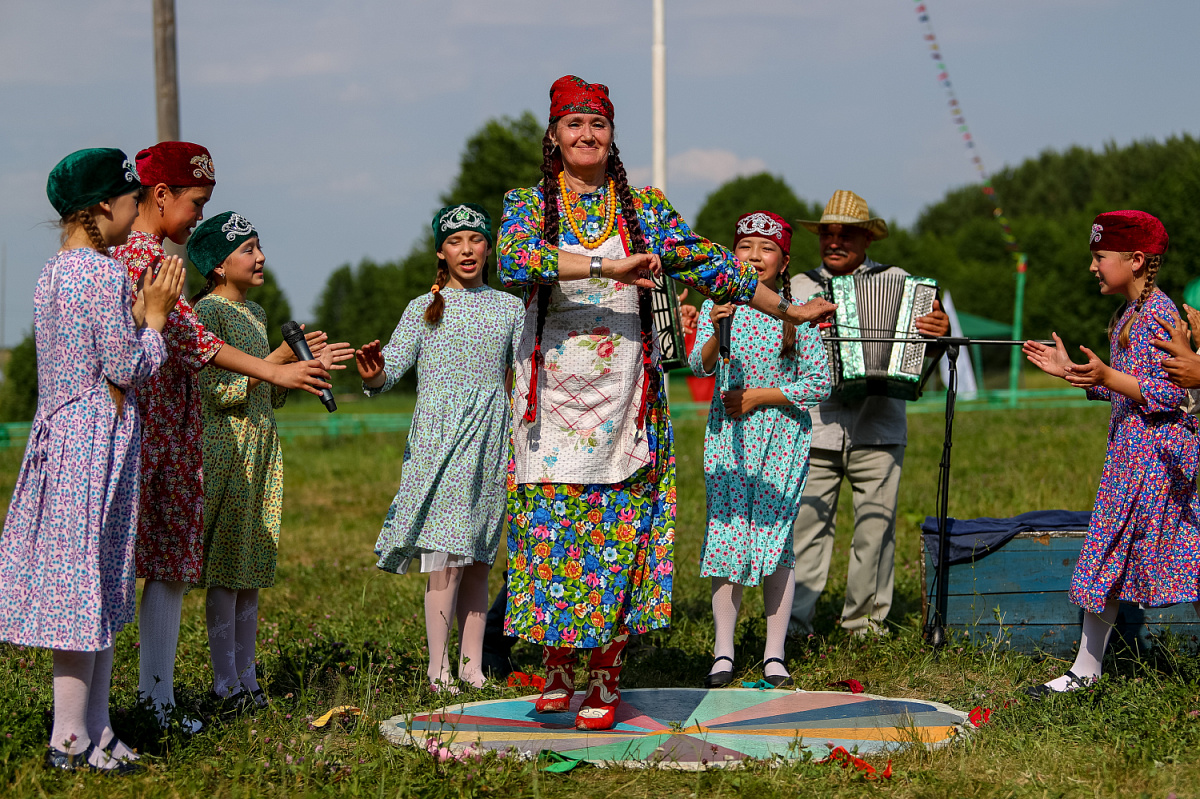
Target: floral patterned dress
{"x":170,"y":533}
{"x":66,"y":556}
{"x":452,"y":488}
{"x":588,"y":558}
{"x":755,"y":467}
{"x":1143,"y":544}
{"x":243,"y":476}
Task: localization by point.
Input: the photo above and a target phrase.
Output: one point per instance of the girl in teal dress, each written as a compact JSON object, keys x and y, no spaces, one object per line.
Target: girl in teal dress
{"x":449,"y":511}
{"x":592,"y":481}
{"x":756,"y":448}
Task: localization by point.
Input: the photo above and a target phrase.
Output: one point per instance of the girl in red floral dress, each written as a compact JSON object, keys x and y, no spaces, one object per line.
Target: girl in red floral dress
{"x":178,"y":178}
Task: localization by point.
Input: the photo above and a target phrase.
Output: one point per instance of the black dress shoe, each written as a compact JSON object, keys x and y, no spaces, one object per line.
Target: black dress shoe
{"x":721,"y":678}
{"x":779,"y":680}
{"x":1040,"y":692}
{"x":57,"y":758}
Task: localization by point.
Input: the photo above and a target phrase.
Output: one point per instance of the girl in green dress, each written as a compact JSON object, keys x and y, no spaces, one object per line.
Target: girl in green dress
{"x":243,"y":464}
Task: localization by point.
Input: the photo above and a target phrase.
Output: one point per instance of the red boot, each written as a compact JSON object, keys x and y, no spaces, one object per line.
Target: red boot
{"x":560,"y":679}
{"x":599,"y":708}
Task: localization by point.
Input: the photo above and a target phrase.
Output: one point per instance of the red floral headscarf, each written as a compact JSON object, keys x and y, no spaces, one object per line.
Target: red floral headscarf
{"x":572,"y":95}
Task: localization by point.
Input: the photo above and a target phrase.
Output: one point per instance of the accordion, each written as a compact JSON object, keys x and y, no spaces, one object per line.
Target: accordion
{"x":878,"y":306}
{"x":665,"y":306}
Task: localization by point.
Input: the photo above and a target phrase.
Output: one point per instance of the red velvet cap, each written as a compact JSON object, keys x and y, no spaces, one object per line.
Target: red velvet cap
{"x":572,"y":95}
{"x":176,"y":163}
{"x":766,"y":225}
{"x":1129,"y":231}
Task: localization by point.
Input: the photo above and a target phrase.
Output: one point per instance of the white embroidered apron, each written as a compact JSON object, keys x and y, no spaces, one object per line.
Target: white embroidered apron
{"x":590,"y":386}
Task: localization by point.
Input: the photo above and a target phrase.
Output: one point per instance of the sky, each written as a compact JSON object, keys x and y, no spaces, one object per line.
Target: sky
{"x":335,"y":126}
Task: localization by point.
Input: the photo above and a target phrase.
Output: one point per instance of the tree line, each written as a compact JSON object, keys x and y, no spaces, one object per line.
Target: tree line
{"x":1049,"y":200}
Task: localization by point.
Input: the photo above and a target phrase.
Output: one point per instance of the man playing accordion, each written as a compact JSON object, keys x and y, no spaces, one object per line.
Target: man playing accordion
{"x":861,"y":440}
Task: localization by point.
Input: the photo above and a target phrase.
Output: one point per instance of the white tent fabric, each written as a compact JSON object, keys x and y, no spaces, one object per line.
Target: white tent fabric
{"x":967,"y":387}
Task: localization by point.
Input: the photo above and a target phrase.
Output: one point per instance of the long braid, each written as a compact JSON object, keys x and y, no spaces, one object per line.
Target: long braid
{"x":550,"y":232}
{"x":83,"y":218}
{"x":433,"y":312}
{"x":789,"y":330}
{"x":637,"y":244}
{"x":1153,"y":263}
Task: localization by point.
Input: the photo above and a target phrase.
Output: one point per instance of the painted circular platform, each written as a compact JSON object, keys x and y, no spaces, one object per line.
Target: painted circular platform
{"x":691,"y":727}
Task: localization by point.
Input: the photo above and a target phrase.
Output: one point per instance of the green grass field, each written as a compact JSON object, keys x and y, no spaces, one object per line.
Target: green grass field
{"x":337,"y":631}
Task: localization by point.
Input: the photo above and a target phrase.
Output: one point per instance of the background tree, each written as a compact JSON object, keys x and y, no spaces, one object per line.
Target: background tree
{"x":364,"y":302}
{"x":19,"y":392}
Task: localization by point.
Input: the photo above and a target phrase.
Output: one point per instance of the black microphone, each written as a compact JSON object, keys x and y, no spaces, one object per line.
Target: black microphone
{"x":293,"y":334}
{"x":725,"y":337}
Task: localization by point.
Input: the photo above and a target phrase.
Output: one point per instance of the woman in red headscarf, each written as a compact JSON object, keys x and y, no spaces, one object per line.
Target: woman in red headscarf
{"x":592,"y":481}
{"x":178,"y":180}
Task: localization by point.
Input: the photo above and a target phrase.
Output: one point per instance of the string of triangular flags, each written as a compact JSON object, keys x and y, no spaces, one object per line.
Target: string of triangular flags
{"x":960,"y":119}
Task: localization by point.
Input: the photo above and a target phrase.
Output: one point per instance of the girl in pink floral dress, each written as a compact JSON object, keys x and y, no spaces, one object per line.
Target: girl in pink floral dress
{"x":66,"y":556}
{"x":1143,"y":543}
{"x":179,"y":179}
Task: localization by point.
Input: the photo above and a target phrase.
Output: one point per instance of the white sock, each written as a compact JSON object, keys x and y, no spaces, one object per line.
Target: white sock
{"x":98,"y":723}
{"x":72,"y":682}
{"x":471,"y":609}
{"x":1093,"y":640}
{"x":779,"y":588}
{"x":158,"y":633}
{"x":219,"y":612}
{"x":726,"y":600}
{"x":441,"y":594}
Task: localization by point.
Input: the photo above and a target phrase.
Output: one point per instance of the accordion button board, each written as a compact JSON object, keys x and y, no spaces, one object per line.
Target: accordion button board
{"x":878,"y":306}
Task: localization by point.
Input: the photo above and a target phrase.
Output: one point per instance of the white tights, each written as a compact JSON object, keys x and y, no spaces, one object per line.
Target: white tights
{"x":1089,"y":660}
{"x":456,"y":593}
{"x":778,"y":589}
{"x":232,"y":617}
{"x":158,"y":634}
{"x":81,"y":685}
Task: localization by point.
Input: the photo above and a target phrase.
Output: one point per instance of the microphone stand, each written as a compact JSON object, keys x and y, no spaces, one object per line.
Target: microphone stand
{"x":935,"y":623}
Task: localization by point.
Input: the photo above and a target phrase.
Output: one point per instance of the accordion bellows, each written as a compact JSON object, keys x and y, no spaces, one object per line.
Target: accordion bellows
{"x":879,"y":306}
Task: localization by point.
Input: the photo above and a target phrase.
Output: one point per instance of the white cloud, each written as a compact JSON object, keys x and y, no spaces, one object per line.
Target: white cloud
{"x":711,"y":166}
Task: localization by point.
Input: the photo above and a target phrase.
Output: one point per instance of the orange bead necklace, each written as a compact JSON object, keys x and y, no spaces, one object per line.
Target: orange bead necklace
{"x":610,"y":213}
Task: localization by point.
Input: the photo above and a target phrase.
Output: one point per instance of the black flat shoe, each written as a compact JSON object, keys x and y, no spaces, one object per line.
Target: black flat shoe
{"x":57,"y":758}
{"x":721,"y":678}
{"x":779,"y":680}
{"x":259,"y":698}
{"x":1040,"y":692}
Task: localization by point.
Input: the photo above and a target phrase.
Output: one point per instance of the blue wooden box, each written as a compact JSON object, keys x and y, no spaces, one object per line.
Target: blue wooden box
{"x":1022,"y":588}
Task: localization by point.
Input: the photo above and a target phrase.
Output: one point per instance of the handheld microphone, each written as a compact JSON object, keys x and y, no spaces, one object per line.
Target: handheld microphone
{"x":294,"y":336}
{"x":725,"y":337}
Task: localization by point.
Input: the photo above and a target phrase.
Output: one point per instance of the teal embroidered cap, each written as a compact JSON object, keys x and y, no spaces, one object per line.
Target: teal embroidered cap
{"x":216,"y":237}
{"x":457,"y":218}
{"x":87,"y":177}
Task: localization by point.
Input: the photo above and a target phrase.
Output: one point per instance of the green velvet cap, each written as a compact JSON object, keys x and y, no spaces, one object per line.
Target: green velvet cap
{"x":87,"y":177}
{"x":216,"y":237}
{"x":457,"y":218}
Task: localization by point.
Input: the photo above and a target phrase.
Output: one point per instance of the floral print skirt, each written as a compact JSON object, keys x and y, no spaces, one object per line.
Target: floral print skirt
{"x":586,"y":558}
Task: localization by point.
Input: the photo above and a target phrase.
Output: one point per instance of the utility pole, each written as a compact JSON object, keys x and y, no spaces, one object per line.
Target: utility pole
{"x":659,"y":78}
{"x":166,"y":78}
{"x":3,"y":288}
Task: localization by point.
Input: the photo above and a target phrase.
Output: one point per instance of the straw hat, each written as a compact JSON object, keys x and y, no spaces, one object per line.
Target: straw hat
{"x":847,"y":208}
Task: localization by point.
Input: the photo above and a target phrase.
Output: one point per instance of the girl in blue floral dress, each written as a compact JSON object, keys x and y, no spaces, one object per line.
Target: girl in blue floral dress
{"x":592,"y":480}
{"x":756,"y":448}
{"x":449,"y":511}
{"x":1143,"y":543}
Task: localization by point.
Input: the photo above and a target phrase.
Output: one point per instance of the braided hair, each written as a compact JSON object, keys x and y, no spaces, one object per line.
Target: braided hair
{"x":1153,"y":263}
{"x":433,"y":312}
{"x":551,"y":231}
{"x":85,"y":219}
{"x":789,"y":330}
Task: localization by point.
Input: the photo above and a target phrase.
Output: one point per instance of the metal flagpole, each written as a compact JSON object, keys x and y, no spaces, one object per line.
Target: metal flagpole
{"x":166,"y":87}
{"x":659,"y":78}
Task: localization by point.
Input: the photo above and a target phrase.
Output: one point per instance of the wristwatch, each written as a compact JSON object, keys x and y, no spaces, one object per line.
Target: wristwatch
{"x":594,"y":269}
{"x":783,"y":306}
